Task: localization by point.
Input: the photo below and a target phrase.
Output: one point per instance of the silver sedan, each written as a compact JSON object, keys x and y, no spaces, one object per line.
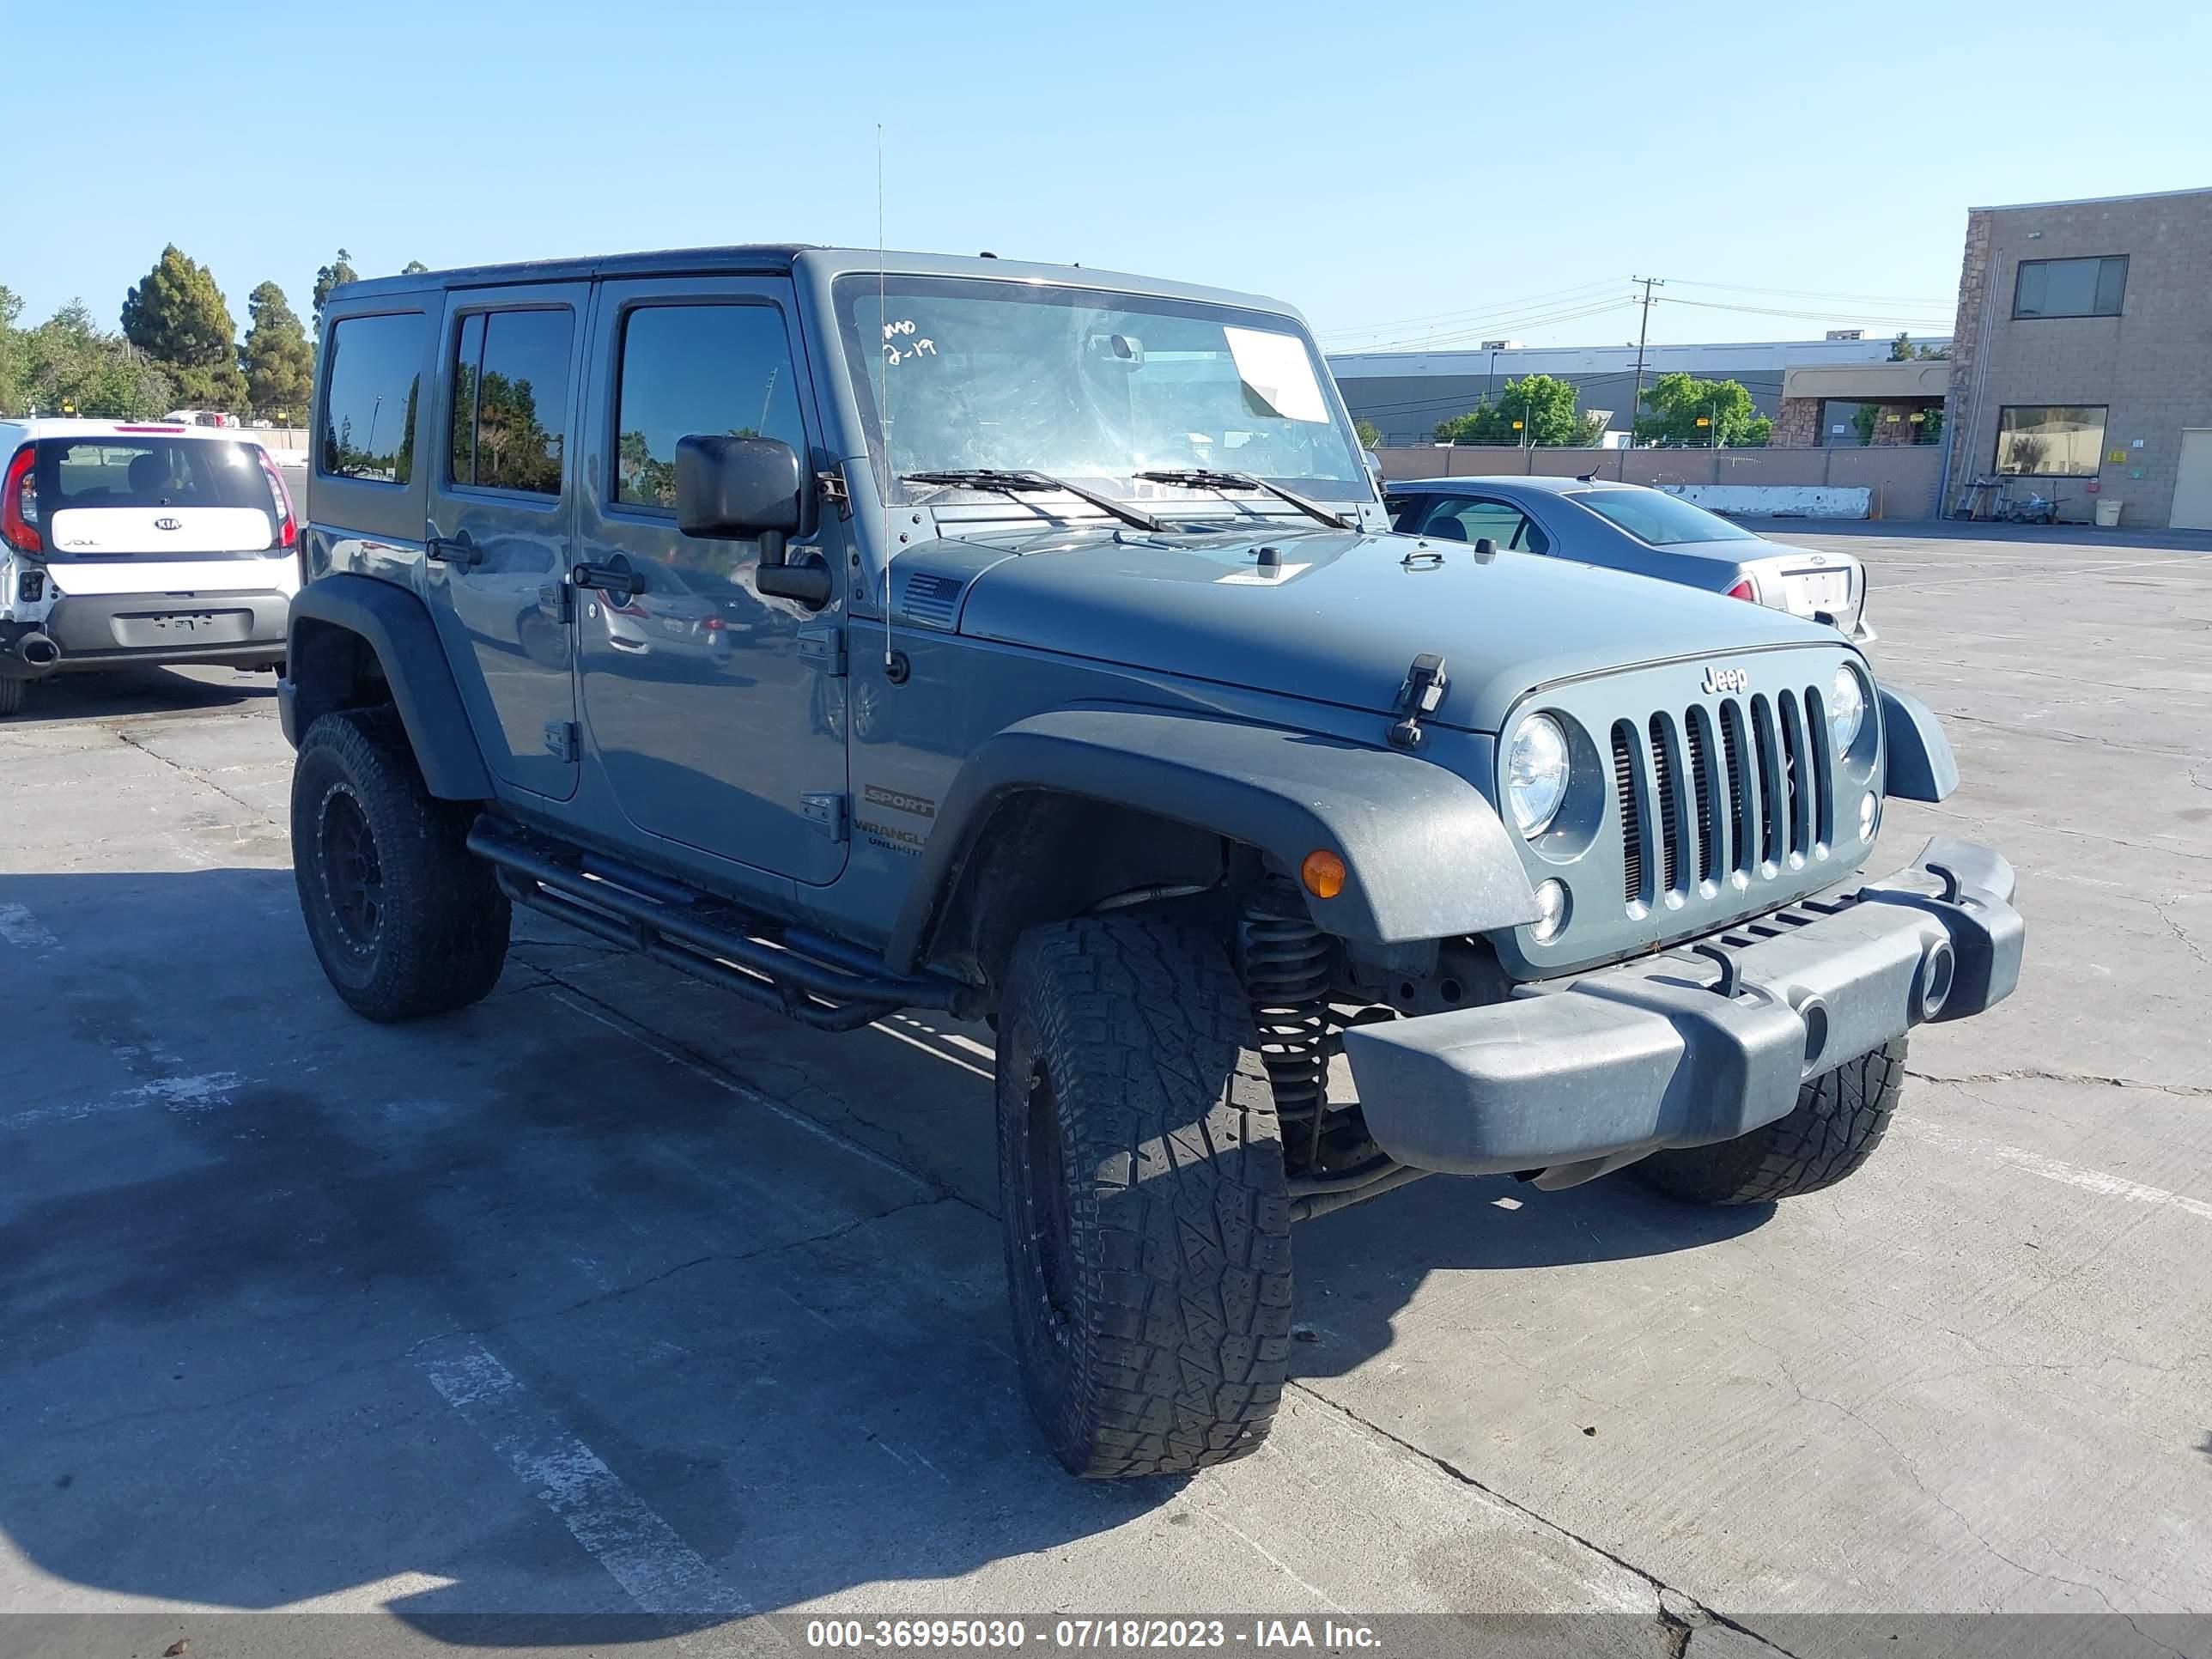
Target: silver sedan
{"x":1647,"y":532}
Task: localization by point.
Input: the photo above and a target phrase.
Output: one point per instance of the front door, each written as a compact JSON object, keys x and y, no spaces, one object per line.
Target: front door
{"x":2192,"y":487}
{"x":501,"y":515}
{"x":716,"y":714}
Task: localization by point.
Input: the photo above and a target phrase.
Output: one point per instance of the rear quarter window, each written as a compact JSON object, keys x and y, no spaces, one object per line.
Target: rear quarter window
{"x":369,"y":406}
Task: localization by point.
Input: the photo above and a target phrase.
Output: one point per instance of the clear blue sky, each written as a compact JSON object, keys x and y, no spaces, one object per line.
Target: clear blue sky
{"x":1408,"y":173}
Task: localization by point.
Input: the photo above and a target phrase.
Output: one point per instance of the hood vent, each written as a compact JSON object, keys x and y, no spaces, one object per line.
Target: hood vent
{"x":930,"y":601}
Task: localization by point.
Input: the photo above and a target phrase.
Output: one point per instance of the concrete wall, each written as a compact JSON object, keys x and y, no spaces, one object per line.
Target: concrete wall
{"x":2151,"y":366}
{"x":1901,"y":481}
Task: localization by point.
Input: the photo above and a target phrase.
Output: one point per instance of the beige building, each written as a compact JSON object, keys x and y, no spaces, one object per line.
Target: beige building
{"x":2081,"y":363}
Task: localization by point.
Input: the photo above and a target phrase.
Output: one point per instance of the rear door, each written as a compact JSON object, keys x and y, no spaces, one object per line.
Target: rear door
{"x":501,"y":515}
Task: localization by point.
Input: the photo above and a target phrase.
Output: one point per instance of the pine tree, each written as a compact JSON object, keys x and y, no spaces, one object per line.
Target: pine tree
{"x":279,"y":361}
{"x":177,"y":317}
{"x":327,"y":277}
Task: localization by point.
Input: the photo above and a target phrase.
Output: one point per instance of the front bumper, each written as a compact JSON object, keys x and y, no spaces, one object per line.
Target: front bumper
{"x":1701,"y":1044}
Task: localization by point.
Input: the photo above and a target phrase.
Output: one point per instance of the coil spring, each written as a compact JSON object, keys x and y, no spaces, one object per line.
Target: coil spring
{"x":1286,"y":962}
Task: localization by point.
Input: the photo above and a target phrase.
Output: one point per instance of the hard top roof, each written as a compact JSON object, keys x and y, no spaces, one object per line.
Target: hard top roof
{"x":761,"y":258}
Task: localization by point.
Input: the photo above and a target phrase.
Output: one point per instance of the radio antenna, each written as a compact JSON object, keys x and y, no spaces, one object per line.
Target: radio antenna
{"x":883,"y":399}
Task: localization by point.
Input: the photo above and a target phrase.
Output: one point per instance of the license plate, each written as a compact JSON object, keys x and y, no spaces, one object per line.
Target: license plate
{"x":676,"y":628}
{"x":1822,"y":590}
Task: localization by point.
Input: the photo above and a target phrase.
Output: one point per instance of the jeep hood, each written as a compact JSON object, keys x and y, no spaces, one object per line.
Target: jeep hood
{"x":1339,"y":622}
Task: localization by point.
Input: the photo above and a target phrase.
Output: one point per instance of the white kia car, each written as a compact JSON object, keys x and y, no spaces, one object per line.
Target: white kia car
{"x":139,"y":541}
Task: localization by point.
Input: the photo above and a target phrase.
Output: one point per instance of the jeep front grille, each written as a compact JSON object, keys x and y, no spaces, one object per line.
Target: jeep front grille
{"x":1714,"y":793}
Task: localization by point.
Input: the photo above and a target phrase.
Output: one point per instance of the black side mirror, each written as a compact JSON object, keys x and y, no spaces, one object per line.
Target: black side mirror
{"x":1485,"y":549}
{"x":747,"y":488}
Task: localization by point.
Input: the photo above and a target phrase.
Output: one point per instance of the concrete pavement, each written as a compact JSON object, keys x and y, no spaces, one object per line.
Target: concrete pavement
{"x":614,"y":1295}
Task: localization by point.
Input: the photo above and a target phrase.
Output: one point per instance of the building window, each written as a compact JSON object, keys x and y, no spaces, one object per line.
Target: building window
{"x":511,"y":400}
{"x":2050,"y":441}
{"x":2071,"y":288}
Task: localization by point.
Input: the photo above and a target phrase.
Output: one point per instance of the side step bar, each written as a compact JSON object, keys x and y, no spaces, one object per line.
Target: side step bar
{"x":813,"y":978}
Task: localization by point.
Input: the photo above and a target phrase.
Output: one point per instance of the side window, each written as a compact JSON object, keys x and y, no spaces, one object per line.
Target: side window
{"x":697,"y":368}
{"x":1533,"y":538}
{"x":1470,"y":521}
{"x":369,"y":395}
{"x":510,"y":424}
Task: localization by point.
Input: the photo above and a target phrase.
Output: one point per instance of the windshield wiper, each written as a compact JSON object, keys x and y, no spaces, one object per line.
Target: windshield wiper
{"x":1012,"y":482}
{"x":1201,"y":477}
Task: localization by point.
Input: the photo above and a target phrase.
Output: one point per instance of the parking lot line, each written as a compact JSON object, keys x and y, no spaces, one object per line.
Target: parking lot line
{"x":731,"y":1086}
{"x":640,"y":1550}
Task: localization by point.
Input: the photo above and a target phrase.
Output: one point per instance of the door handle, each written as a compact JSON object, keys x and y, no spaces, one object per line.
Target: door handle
{"x":453,"y":550}
{"x":616,"y":577}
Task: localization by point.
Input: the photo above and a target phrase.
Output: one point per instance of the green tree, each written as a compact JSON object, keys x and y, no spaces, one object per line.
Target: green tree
{"x":279,"y":361}
{"x":1545,"y":406}
{"x":1368,"y":433}
{"x":11,"y":351}
{"x":1902,"y":350}
{"x":1678,"y":402}
{"x":412,"y":268}
{"x":68,"y":364}
{"x":327,"y":277}
{"x":177,"y":317}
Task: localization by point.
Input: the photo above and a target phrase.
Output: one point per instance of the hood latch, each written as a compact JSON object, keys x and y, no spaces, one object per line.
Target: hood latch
{"x":1419,"y":697}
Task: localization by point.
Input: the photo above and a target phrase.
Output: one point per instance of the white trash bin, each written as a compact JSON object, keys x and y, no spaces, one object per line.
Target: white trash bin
{"x":2108,"y":514}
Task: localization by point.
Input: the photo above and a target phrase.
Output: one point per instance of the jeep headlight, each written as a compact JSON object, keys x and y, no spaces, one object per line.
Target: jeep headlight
{"x":1536,"y":772}
{"x":1846,"y":709}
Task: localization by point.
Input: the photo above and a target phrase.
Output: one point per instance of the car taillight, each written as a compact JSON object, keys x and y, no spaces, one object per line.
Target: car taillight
{"x":1742,"y":590}
{"x":287,"y":526}
{"x":19,"y":503}
{"x":714,"y":624}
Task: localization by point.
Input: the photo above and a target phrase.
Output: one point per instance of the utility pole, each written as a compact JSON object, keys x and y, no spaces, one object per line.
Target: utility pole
{"x":1643,"y":333}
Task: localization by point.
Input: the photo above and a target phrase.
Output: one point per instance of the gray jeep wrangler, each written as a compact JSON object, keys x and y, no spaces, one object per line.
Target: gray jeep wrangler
{"x":1026,"y":643}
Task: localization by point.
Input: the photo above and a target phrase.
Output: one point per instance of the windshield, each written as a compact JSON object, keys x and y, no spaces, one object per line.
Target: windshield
{"x":1653,"y":516}
{"x":1089,"y":386}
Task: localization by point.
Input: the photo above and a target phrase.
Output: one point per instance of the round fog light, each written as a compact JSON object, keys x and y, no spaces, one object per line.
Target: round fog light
{"x":1551,"y":911}
{"x":1869,"y":807}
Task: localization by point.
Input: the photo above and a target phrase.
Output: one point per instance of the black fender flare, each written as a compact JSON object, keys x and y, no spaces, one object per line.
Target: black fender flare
{"x":1425,"y":855}
{"x":1921,"y":766}
{"x":396,"y":625}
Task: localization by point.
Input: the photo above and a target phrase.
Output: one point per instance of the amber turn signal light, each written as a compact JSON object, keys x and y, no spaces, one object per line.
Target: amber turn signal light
{"x":1322,"y":873}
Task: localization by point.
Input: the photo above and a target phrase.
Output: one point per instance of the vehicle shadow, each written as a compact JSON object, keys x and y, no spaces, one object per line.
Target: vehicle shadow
{"x":107,"y":693}
{"x":302,"y":1310}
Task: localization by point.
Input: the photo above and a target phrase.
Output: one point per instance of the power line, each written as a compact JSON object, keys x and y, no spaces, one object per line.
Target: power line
{"x":1814,"y":294}
{"x":1446,"y":341}
{"x":1474,"y":312}
{"x":1815,"y":316}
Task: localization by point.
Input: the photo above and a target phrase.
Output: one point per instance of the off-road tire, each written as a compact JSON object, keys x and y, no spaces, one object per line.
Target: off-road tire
{"x":1142,"y":1195}
{"x":434,"y":936}
{"x":11,"y":697}
{"x":1839,"y":1119}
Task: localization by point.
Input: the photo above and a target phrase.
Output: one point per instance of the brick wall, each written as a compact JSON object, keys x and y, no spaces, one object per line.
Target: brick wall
{"x":2151,"y":366}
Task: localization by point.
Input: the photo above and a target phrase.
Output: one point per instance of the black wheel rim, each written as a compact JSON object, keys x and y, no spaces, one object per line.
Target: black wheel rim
{"x":350,"y":872}
{"x":1046,"y":1200}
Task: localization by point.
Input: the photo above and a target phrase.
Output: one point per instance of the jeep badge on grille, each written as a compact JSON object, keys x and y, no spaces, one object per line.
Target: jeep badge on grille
{"x":1721,"y":680}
